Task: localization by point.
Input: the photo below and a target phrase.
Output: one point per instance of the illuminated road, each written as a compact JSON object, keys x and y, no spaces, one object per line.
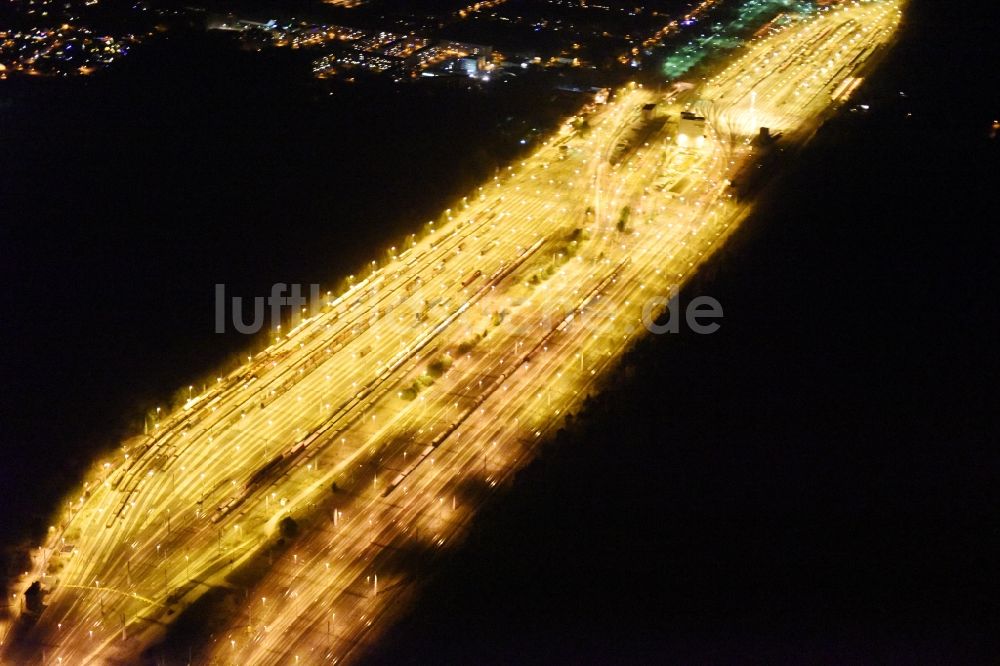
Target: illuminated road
{"x":424,"y":385}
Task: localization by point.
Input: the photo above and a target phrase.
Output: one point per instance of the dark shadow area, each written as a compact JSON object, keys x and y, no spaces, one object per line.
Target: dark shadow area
{"x":409,"y":559}
{"x":468,"y":490}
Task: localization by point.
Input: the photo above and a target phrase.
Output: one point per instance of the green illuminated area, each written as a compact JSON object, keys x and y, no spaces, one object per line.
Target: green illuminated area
{"x":730,"y":32}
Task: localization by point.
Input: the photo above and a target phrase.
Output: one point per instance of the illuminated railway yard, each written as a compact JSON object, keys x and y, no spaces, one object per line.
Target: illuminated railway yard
{"x":428,"y":382}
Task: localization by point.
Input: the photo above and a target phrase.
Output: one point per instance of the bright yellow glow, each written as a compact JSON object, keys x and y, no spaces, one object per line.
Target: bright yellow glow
{"x":435,"y":371}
